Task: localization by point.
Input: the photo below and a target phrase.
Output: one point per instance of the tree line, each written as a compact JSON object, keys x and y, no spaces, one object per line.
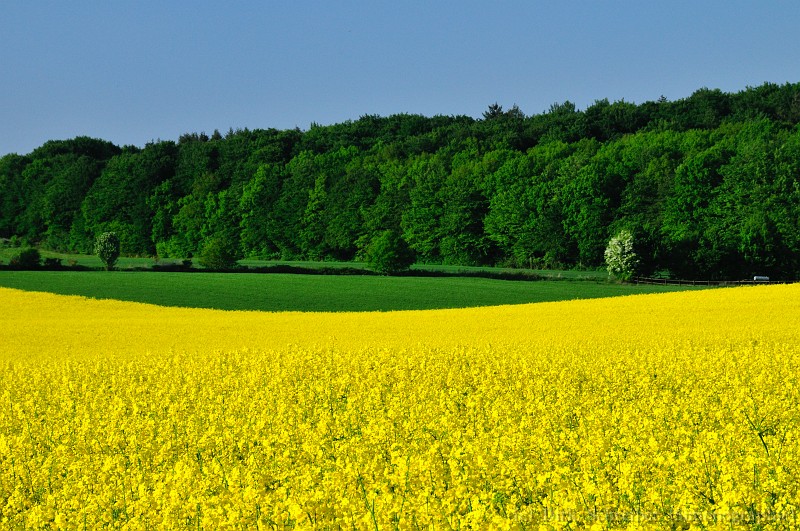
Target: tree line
{"x":708,"y":186}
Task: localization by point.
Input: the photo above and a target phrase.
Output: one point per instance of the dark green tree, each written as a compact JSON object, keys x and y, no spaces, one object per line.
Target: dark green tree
{"x":421,"y":219}
{"x":525,"y":218}
{"x":12,"y":194}
{"x":257,"y":205}
{"x":388,"y":254}
{"x":218,"y":253}
{"x":26,"y":259}
{"x":118,"y":199}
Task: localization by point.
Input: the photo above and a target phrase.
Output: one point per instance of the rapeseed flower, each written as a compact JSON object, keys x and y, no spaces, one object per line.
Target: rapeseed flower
{"x":652,"y":411}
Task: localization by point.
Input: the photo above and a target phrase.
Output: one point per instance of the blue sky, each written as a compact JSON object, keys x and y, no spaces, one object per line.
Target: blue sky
{"x":132,"y":72}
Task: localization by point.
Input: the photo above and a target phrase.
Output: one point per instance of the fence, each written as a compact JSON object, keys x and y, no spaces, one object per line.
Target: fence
{"x":719,"y":283}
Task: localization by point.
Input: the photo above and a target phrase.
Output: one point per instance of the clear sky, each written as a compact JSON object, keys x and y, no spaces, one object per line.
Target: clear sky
{"x":135,"y":71}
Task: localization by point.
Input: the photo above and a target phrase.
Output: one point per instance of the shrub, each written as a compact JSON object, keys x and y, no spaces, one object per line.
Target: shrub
{"x":621,"y":260}
{"x":52,"y":263}
{"x":107,"y":248}
{"x":217,"y":254}
{"x":388,"y":253}
{"x":183,"y":265}
{"x":26,"y":259}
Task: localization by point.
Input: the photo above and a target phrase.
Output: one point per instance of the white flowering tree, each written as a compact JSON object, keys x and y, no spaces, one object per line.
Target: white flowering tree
{"x":107,"y":248}
{"x":621,"y":260}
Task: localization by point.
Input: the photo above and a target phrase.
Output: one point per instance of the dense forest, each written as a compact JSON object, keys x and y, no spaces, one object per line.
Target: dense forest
{"x":708,"y":185}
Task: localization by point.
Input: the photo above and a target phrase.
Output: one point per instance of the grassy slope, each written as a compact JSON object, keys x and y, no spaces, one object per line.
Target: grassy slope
{"x":87,"y":260}
{"x":277,"y":292}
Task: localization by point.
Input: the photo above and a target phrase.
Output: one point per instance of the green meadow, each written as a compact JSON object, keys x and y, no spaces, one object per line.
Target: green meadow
{"x":312,"y":292}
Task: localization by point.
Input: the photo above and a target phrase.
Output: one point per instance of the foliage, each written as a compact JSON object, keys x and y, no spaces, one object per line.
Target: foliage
{"x":669,"y":411}
{"x":52,"y":262}
{"x":388,"y":253}
{"x":107,"y":248}
{"x":621,"y":259}
{"x":218,"y":254}
{"x":708,"y":183}
{"x":29,"y":258}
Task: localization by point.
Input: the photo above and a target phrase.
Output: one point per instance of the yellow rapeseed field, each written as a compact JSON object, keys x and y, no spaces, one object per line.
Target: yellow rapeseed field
{"x":670,"y":411}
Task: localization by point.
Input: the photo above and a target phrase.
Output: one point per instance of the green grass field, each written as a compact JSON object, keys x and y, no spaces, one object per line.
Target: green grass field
{"x":279,"y":292}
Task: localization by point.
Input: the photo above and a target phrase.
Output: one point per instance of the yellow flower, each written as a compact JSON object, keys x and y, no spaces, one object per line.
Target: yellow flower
{"x":636,"y":412}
